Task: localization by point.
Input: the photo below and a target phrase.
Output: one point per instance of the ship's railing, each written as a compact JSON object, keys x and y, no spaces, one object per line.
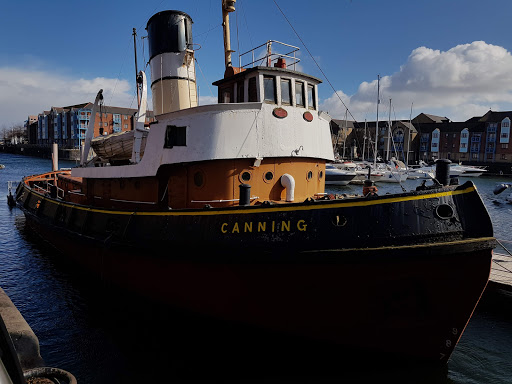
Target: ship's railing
{"x":269,"y":57}
{"x":45,"y":189}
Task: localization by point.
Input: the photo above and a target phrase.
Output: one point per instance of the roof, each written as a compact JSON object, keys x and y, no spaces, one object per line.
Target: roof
{"x":425,"y":118}
{"x":243,"y":74}
{"x":495,"y":117}
{"x":407,"y":125}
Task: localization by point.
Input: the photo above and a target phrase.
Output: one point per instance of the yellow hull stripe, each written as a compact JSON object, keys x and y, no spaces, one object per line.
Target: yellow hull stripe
{"x":287,"y":208}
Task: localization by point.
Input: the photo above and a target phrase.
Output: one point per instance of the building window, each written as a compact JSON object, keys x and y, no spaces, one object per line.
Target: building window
{"x":311,"y":97}
{"x":489,"y":156}
{"x":435,"y":135}
{"x":269,"y":89}
{"x":504,"y":146}
{"x":503,"y":156}
{"x":126,"y":126}
{"x":299,"y":93}
{"x":286,"y":95}
{"x":474,"y":156}
{"x":175,"y":136}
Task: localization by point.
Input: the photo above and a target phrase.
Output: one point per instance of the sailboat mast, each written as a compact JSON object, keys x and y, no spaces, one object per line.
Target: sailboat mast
{"x":345,"y":134}
{"x":389,"y":131}
{"x":409,"y":137}
{"x":364,"y":138}
{"x":377,"y":123}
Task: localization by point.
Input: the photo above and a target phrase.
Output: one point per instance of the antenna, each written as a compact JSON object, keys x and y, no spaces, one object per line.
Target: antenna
{"x":136,"y":69}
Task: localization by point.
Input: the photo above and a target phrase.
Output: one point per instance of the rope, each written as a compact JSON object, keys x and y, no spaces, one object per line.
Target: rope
{"x":320,"y":69}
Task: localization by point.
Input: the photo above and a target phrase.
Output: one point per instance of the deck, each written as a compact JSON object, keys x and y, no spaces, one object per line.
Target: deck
{"x":501,"y":272}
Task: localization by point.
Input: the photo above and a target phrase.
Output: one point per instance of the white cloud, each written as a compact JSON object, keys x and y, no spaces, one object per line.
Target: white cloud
{"x":29,"y":92}
{"x":205,"y":100}
{"x":460,"y":83}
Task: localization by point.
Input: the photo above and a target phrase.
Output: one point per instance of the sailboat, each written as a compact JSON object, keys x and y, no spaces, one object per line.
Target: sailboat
{"x":225,"y":214}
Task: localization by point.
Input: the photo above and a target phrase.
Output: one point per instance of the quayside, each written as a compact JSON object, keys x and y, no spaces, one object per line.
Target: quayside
{"x":221,"y":209}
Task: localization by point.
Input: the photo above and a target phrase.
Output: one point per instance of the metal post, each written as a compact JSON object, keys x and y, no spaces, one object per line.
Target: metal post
{"x":136,"y":69}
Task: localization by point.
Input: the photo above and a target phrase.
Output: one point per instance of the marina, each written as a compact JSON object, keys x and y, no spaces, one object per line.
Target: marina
{"x":224,"y":213}
{"x":232,"y":241}
{"x":91,"y":332}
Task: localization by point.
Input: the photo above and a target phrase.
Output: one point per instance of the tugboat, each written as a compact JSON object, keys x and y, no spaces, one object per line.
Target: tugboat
{"x":224,"y":212}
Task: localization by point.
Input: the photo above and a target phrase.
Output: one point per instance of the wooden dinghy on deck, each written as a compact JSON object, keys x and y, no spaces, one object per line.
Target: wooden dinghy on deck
{"x":117,"y":146}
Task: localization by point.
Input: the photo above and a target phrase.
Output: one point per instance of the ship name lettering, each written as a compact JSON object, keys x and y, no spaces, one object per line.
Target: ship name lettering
{"x":261,"y":226}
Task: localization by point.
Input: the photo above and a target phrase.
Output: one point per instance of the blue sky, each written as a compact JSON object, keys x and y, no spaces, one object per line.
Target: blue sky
{"x":446,"y":57}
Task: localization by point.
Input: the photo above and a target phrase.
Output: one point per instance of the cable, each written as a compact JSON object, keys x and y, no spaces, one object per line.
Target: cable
{"x":323,"y":73}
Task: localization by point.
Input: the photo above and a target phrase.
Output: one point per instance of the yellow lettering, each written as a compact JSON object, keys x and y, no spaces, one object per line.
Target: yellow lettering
{"x":248,"y":227}
{"x":301,"y":225}
{"x":285,"y":226}
{"x":262,"y":227}
{"x":223,"y":228}
{"x":235,"y":228}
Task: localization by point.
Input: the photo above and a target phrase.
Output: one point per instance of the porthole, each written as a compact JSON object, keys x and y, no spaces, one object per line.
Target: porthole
{"x":199,"y":179}
{"x":321,"y":175}
{"x":268,"y":176}
{"x":444,"y":211}
{"x":245,"y":176}
{"x":309,"y":175}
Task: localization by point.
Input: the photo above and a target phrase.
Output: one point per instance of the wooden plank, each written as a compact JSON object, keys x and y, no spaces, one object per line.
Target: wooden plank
{"x":501,"y":271}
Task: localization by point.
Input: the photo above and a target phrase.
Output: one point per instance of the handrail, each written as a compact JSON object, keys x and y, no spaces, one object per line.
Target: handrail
{"x":271,"y":57}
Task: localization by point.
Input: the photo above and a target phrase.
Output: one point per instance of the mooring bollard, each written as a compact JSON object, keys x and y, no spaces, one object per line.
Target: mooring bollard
{"x":245,"y":194}
{"x":443,"y":171}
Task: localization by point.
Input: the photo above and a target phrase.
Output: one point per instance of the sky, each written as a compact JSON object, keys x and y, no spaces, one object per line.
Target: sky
{"x":444,"y":57}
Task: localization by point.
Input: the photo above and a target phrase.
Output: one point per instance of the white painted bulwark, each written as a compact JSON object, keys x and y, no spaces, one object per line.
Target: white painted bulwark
{"x":227,"y":131}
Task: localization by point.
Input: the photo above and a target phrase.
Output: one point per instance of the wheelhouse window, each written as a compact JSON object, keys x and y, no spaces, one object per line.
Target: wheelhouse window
{"x":240,"y":92}
{"x":286,"y":95}
{"x":175,"y":136}
{"x":299,"y":93}
{"x":269,"y":89}
{"x":253,"y":92}
{"x":225,"y":95}
{"x":311,"y":97}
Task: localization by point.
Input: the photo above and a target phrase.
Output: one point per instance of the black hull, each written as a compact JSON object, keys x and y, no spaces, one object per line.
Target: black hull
{"x":398,"y":274}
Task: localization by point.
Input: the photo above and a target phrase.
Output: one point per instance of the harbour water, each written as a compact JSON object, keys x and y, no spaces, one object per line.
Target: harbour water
{"x":103,"y":335}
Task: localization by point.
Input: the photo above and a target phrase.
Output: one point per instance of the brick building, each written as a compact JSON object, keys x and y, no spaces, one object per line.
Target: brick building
{"x":484,"y":139}
{"x":66,"y":126}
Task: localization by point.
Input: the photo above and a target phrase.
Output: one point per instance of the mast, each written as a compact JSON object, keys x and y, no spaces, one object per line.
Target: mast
{"x":364,"y":138}
{"x":345,"y":134}
{"x":409,"y":136}
{"x":389,"y":131}
{"x":227,"y":7}
{"x":377,"y":123}
{"x":136,"y":69}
